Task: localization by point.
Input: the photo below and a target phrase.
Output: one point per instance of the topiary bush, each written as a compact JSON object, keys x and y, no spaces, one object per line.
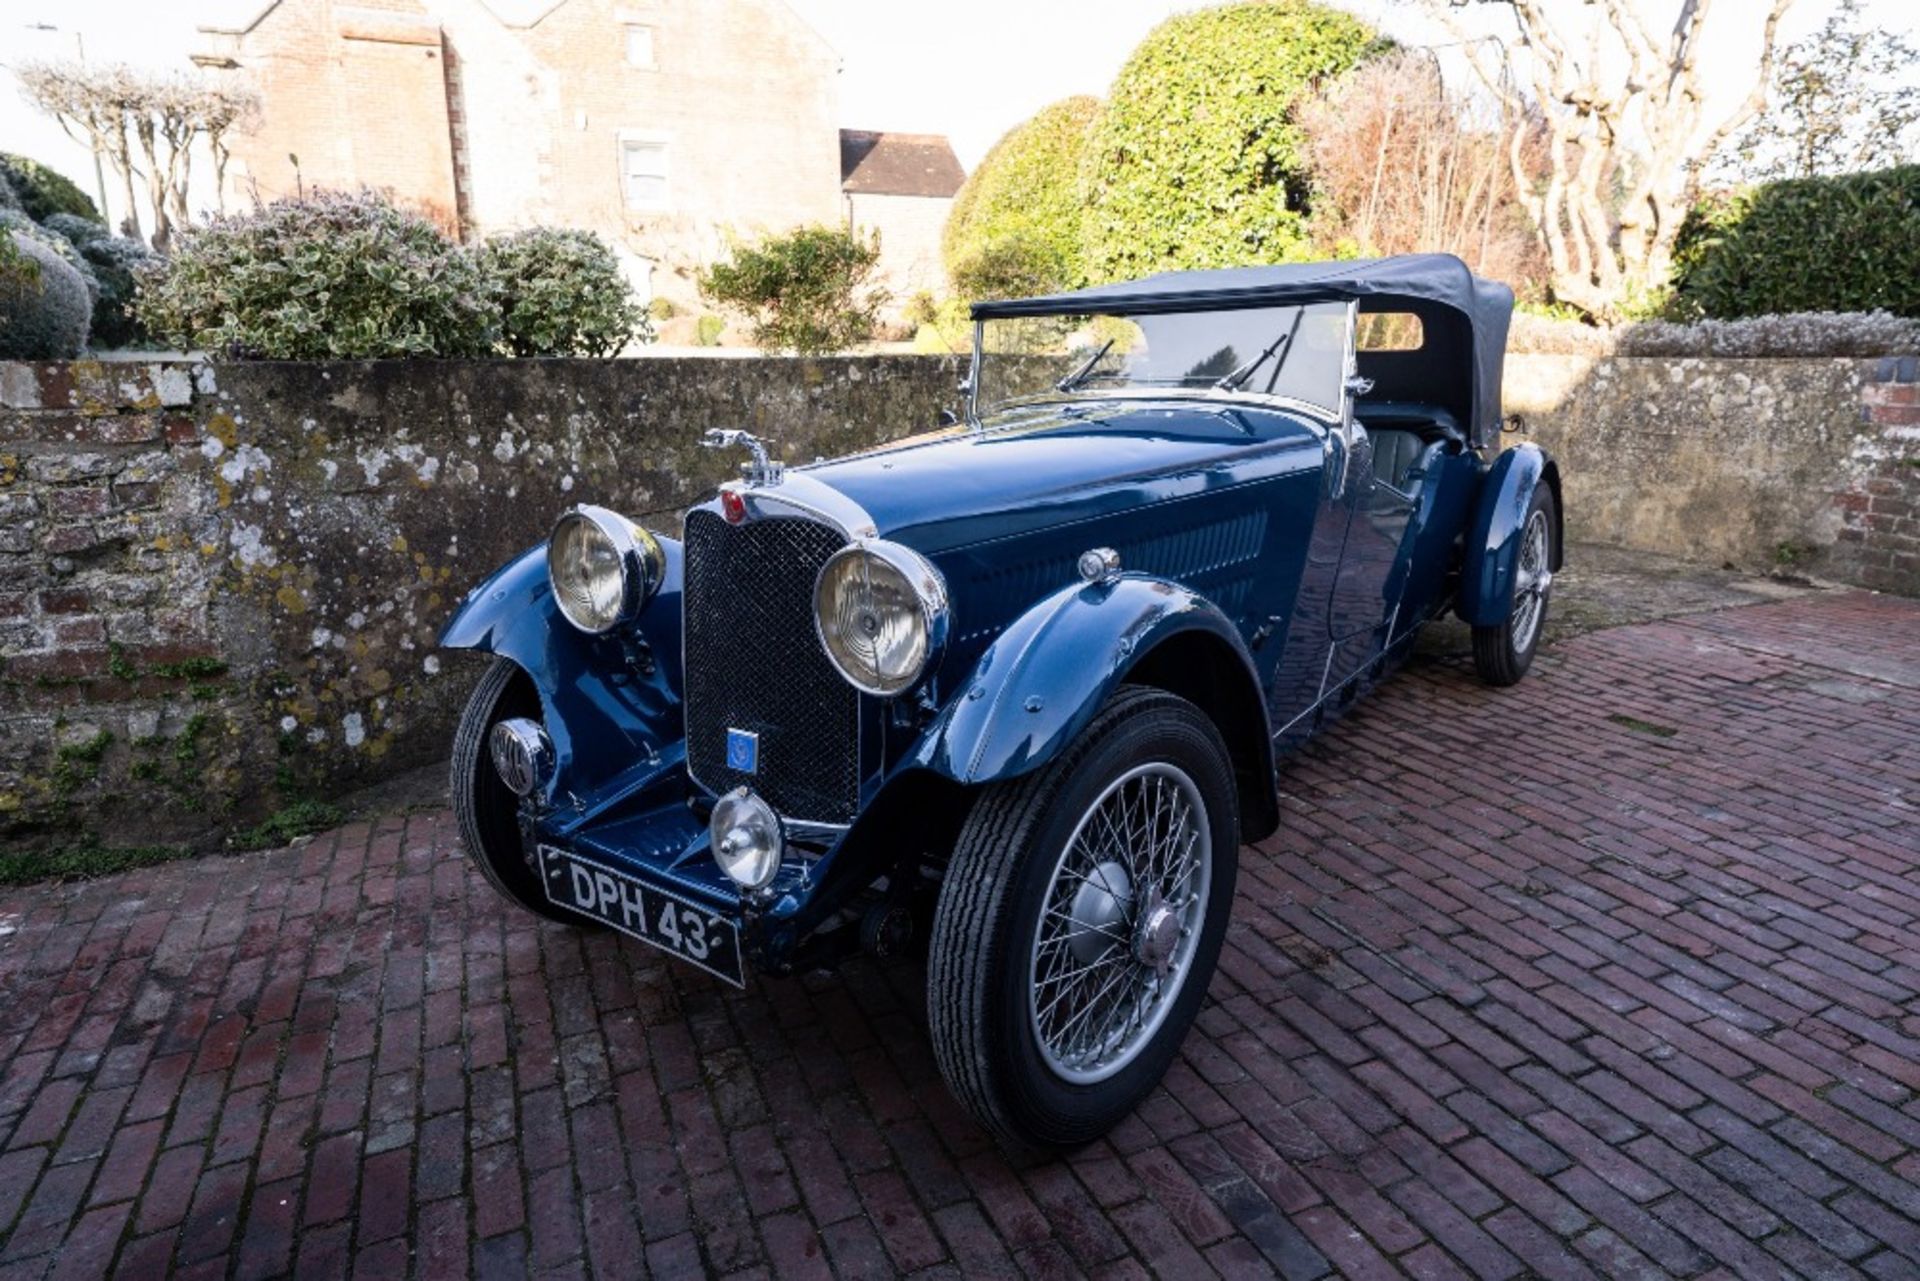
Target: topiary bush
{"x":1196,"y":160}
{"x":330,"y":275}
{"x":16,"y":221}
{"x":78,"y":231}
{"x":117,"y":265}
{"x":807,"y":291}
{"x":42,"y":192}
{"x":561,"y":293}
{"x":1849,"y":243}
{"x":1014,"y":229}
{"x":44,"y":304}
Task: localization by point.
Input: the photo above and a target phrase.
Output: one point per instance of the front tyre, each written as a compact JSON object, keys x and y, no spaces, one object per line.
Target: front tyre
{"x":1502,"y":653}
{"x":487,"y":812}
{"x":1079,"y":923}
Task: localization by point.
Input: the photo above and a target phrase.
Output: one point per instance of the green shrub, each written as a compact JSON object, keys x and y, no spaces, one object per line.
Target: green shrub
{"x":707,"y":330}
{"x":44,"y":304}
{"x":117,"y":264}
{"x":661,"y":309}
{"x":561,"y":293}
{"x":8,"y":200}
{"x":806,"y":291}
{"x":78,"y":231}
{"x":16,"y":221}
{"x":1196,"y":160}
{"x":1011,"y":267}
{"x":1015,"y":225}
{"x":42,"y":192}
{"x":326,"y":276}
{"x":1849,"y":243}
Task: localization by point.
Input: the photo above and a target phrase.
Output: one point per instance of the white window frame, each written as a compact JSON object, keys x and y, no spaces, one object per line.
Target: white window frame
{"x":626,"y":141}
{"x":627,"y":29}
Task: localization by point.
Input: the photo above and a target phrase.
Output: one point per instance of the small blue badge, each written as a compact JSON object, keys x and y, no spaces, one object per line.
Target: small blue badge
{"x":743,"y":751}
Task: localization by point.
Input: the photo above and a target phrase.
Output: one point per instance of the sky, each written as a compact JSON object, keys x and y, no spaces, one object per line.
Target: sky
{"x":970,"y":72}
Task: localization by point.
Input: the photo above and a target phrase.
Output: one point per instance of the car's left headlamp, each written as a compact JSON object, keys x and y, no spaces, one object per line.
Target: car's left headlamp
{"x":881,"y":611}
{"x":602,"y":567}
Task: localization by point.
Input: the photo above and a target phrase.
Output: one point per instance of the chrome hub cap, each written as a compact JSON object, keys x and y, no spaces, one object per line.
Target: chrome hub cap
{"x":1158,"y":934}
{"x":1119,"y":923}
{"x":1531,"y":582}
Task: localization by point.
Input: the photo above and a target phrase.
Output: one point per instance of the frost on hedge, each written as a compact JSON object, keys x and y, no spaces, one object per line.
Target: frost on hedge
{"x":561,"y":293}
{"x":116,"y":264}
{"x":331,"y":276}
{"x":15,"y":221}
{"x":78,"y":231}
{"x":1805,"y":333}
{"x":44,"y":304}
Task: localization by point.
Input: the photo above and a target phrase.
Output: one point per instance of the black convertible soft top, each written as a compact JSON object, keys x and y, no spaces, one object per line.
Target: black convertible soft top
{"x":1437,"y":287}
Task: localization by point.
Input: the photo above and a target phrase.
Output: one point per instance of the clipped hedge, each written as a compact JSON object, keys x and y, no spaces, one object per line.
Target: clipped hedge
{"x":329,"y":276}
{"x":1849,"y":243}
{"x":1015,"y":225}
{"x":43,"y":192}
{"x":117,"y":265}
{"x":1196,"y":160}
{"x":44,"y":303}
{"x":561,"y":293}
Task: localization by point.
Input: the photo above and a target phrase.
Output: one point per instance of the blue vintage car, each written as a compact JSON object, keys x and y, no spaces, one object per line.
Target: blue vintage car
{"x":1014,"y":691}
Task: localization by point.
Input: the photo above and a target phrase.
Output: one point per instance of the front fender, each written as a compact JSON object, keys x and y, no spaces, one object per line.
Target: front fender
{"x":1043,"y":679}
{"x":608,"y":700}
{"x":1493,"y":537}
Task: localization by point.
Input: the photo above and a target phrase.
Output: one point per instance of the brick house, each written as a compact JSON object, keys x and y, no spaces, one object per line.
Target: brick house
{"x":662,"y":124}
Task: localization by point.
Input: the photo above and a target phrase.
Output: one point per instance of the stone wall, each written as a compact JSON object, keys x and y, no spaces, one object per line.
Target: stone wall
{"x":1799,"y":465}
{"x":220,"y":587}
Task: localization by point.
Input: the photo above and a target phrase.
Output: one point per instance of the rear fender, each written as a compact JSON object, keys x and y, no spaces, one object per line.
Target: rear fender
{"x":1493,"y":537}
{"x":1043,"y":679}
{"x":609,"y":701}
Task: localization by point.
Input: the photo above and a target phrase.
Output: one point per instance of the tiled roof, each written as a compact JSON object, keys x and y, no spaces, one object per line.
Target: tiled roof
{"x":898,"y":164}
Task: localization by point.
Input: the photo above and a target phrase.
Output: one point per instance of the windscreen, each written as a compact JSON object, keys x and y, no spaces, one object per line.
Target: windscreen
{"x":1294,"y":353}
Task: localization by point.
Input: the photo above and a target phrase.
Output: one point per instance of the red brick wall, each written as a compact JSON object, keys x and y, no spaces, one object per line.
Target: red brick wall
{"x":1878,"y":544}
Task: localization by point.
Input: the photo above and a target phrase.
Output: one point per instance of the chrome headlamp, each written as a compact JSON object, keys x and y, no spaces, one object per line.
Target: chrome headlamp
{"x":602,"y":567}
{"x":881,"y":612}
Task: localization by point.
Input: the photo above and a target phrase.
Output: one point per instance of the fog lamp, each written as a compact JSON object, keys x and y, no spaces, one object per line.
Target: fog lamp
{"x":746,"y":836}
{"x":522,"y":754}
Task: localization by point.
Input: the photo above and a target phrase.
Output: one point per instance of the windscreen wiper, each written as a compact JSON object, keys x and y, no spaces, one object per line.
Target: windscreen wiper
{"x":1233,"y":380}
{"x":1079,"y":375}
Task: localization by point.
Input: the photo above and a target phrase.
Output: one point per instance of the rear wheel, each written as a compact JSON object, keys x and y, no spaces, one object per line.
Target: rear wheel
{"x":1503,"y":653}
{"x":1080,"y":921}
{"x":488,"y":813}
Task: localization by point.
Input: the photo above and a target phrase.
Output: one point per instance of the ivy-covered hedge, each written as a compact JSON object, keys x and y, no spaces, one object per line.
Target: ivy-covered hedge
{"x":1015,"y":225}
{"x":1196,"y":161}
{"x":1850,"y":243}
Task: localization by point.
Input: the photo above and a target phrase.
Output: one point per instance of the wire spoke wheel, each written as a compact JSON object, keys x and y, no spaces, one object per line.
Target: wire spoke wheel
{"x":1532,"y":582}
{"x":1122,"y":916}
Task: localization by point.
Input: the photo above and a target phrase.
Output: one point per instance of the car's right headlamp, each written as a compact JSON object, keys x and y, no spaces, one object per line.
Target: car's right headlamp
{"x":602,"y":567}
{"x":881,"y":611}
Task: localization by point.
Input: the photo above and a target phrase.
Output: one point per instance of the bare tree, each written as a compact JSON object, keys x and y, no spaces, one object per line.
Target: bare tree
{"x":1403,"y":164}
{"x":118,"y":110}
{"x":1843,"y":100}
{"x":1628,"y":129}
{"x":93,"y":103}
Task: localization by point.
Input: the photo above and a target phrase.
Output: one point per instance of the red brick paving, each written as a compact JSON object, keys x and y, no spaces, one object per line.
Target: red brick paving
{"x":1617,"y":974}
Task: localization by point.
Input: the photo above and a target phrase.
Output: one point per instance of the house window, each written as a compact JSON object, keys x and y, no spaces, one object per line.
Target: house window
{"x":639,"y":40}
{"x":643,"y":173}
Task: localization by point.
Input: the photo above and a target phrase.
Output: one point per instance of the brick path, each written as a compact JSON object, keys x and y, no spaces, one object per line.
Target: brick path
{"x":1643,"y":1000}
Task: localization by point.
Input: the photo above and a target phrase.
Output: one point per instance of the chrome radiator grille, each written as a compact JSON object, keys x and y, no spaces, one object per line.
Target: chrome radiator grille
{"x":753,"y":663}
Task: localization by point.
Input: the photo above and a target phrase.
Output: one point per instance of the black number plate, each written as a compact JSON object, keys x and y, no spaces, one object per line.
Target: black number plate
{"x":647,"y":912}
